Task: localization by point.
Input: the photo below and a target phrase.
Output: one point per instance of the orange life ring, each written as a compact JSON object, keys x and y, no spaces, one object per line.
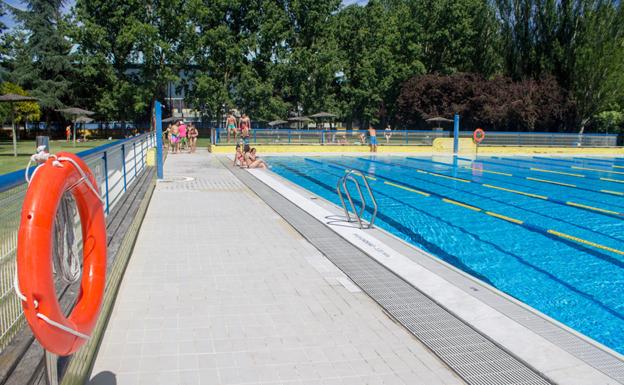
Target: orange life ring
{"x":478,"y":135}
{"x":35,"y":281}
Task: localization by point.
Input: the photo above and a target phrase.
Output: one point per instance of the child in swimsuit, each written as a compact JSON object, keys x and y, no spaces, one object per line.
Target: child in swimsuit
{"x":239,"y":158}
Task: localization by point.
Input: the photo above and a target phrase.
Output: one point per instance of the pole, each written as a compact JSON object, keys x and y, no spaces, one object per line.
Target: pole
{"x":159,"y":143}
{"x":14,"y":130}
{"x":456,"y":134}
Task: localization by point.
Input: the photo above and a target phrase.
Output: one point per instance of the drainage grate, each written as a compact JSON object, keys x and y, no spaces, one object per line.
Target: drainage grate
{"x":471,"y":355}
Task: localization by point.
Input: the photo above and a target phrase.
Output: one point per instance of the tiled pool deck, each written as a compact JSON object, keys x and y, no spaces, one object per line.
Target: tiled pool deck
{"x":221,"y":290}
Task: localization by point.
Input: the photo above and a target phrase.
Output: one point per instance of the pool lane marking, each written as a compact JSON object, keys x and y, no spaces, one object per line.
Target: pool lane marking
{"x":597,"y":170}
{"x":551,"y":182}
{"x":460,"y":204}
{"x":613,"y":180}
{"x":612,"y":192}
{"x":536,"y":169}
{"x":593,"y":208}
{"x":528,"y":168}
{"x":407,"y":188}
{"x":557,"y":172}
{"x":486,"y":171}
{"x":584,"y":241}
{"x":504,"y":217}
{"x":519,"y":192}
{"x":543,"y":197}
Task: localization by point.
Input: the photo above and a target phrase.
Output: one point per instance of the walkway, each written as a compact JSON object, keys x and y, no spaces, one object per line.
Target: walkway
{"x":221,"y":290}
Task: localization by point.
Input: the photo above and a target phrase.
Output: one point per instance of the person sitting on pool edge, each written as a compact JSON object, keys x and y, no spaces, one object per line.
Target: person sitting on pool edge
{"x":239,"y":157}
{"x":252,"y":160}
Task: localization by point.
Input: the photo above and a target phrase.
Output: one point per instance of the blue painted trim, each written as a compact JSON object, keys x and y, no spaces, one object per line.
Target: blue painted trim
{"x":159,"y":142}
{"x":455,"y":134}
{"x":16,"y":178}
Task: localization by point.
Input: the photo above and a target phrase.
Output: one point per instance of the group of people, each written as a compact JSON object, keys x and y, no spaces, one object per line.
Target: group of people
{"x":182,"y":137}
{"x":247,"y":157}
{"x":239,"y":128}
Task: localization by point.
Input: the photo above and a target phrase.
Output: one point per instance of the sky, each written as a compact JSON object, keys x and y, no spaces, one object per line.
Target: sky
{"x":69,"y":3}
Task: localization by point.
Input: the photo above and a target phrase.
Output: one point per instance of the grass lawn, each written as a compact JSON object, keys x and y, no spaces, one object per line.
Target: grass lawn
{"x":25,"y":148}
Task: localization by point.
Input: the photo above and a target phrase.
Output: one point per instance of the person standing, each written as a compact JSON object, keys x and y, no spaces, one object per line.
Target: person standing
{"x":183,"y":131}
{"x":231,"y":126}
{"x":388,"y":134}
{"x":372,"y":133}
{"x":175,"y":139}
{"x":245,"y":128}
{"x":193,"y":133}
{"x":68,"y":133}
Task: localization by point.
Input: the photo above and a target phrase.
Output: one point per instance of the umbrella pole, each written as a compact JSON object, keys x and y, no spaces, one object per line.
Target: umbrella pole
{"x":74,"y":129}
{"x":14,"y":130}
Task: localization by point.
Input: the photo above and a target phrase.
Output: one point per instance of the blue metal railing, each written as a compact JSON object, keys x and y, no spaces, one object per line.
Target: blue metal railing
{"x":418,"y":138}
{"x":109,"y":164}
{"x":334,"y":137}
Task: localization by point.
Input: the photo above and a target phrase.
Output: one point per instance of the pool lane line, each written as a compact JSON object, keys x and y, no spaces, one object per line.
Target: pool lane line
{"x":573,"y":167}
{"x":452,"y":259}
{"x":596,"y":177}
{"x":597,"y":161}
{"x":448,"y":165}
{"x":581,"y":206}
{"x":481,"y":196}
{"x":540,"y":180}
{"x":493,"y":214}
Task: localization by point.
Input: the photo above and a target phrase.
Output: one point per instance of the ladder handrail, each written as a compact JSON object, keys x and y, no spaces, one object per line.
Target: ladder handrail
{"x":342,"y":182}
{"x":358,"y":216}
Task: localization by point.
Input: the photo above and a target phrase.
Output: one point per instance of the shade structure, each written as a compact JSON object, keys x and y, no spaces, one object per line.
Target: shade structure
{"x":15,"y":98}
{"x":83,"y":119}
{"x":75,"y":111}
{"x":277,"y":123}
{"x":299,"y":120}
{"x":170,"y":119}
{"x":323,"y":114}
{"x":439,"y":119}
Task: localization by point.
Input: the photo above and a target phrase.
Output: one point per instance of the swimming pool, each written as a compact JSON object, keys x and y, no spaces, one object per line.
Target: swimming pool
{"x":547,"y":231}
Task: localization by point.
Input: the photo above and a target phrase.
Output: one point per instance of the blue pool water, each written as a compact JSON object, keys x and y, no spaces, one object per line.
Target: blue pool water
{"x":547,"y":231}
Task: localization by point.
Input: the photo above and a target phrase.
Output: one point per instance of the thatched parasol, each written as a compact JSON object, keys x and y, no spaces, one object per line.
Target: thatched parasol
{"x":15,"y":98}
{"x":75,"y":112}
{"x":170,"y":119}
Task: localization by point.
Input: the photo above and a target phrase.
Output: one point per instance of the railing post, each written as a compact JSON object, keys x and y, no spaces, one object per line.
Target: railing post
{"x":456,"y":134}
{"x":135,"y":156}
{"x":142,"y":155}
{"x":254,"y":134}
{"x":123,"y":163}
{"x":323,"y":137}
{"x":159,"y":143}
{"x":105,"y":157}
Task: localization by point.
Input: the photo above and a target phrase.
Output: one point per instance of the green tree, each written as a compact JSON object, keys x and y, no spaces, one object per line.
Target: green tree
{"x":44,"y":64}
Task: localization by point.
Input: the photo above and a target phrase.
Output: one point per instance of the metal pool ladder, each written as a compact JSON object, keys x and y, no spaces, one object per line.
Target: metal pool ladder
{"x":342,"y":184}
